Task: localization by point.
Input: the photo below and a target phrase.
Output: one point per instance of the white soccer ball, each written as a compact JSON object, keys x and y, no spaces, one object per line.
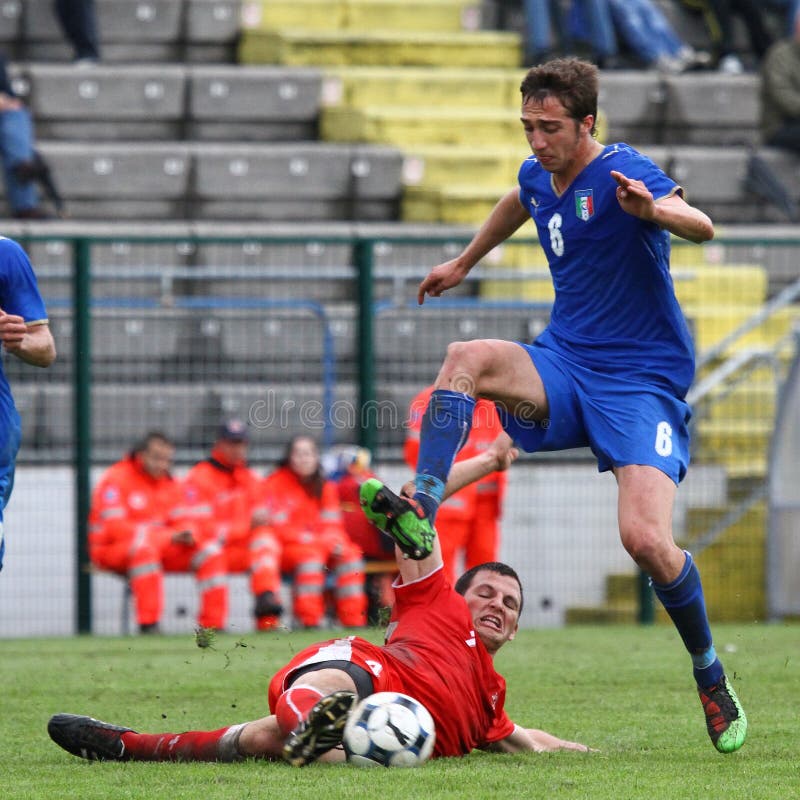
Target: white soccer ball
{"x":389,"y":729}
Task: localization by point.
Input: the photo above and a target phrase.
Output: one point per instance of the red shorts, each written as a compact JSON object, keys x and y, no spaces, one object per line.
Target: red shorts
{"x":353,"y":649}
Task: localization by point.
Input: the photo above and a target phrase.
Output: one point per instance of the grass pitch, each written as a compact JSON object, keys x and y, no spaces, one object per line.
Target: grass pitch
{"x":626,"y":691}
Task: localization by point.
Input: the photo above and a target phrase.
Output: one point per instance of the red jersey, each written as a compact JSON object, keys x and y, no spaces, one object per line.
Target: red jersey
{"x":432,"y":654}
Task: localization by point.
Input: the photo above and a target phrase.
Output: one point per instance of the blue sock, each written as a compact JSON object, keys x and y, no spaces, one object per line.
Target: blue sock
{"x":445,"y":428}
{"x":683,"y":599}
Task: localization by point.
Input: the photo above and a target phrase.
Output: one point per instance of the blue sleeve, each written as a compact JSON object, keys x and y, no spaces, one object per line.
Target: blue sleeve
{"x":19,"y":292}
{"x":640,"y":167}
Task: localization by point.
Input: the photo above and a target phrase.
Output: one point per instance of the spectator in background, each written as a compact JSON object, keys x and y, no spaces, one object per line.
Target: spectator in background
{"x":719,"y":18}
{"x":78,"y":20}
{"x":639,"y":23}
{"x":25,"y":333}
{"x":348,"y":466}
{"x":587,"y":20}
{"x":143,"y":521}
{"x":780,"y":92}
{"x":18,"y":153}
{"x":230,"y":487}
{"x":302,"y":510}
{"x":651,"y":38}
{"x":468,"y":523}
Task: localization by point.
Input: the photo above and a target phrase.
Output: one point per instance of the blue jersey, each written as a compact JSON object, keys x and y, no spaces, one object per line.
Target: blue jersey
{"x":19,"y":294}
{"x":615,"y":309}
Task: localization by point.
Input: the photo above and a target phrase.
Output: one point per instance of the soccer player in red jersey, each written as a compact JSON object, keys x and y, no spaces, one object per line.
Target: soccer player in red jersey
{"x":439,"y":649}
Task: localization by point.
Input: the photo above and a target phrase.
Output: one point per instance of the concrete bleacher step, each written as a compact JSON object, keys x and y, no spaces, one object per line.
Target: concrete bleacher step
{"x":719,"y":284}
{"x":409,"y":126}
{"x":312,"y":181}
{"x":141,"y":102}
{"x":455,"y":205}
{"x":735,"y":559}
{"x":360,"y":87}
{"x":436,"y":165}
{"x":704,"y":284}
{"x":364,"y":15}
{"x":711,"y":323}
{"x":138,"y":31}
{"x":712,"y":109}
{"x":298,"y":47}
{"x":252,"y":103}
{"x":120,"y":181}
{"x":739,"y":444}
{"x":220,"y":102}
{"x":752,"y":399}
{"x":128,"y":30}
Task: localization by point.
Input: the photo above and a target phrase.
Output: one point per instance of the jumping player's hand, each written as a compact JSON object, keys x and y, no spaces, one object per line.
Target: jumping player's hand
{"x":634,"y":197}
{"x":12,"y":331}
{"x":441,"y":278}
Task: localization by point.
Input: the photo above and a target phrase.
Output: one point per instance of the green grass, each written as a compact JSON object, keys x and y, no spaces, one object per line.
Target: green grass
{"x":626,"y":691}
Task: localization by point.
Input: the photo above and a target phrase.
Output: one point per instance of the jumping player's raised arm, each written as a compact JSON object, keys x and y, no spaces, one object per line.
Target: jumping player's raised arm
{"x":671,"y":213}
{"x":505,"y":218}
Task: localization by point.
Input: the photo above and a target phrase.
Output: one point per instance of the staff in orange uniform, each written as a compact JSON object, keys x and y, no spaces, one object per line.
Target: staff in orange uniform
{"x":231,"y":488}
{"x":144,"y":522}
{"x":469,"y":520}
{"x":303,"y":511}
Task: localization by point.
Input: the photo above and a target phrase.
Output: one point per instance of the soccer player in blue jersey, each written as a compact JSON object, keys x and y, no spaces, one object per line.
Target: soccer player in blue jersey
{"x":611,"y":370}
{"x":25,"y":333}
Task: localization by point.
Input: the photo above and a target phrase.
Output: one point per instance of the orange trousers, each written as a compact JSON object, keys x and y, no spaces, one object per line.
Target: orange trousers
{"x":307,"y":562}
{"x":144,"y":558}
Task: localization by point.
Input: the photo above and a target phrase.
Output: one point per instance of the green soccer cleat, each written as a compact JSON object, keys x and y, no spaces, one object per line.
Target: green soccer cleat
{"x":321,"y":731}
{"x":400,"y":517}
{"x":725,"y":718}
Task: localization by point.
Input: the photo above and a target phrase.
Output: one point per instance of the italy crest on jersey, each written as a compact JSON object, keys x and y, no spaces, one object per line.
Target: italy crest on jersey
{"x":584,"y":204}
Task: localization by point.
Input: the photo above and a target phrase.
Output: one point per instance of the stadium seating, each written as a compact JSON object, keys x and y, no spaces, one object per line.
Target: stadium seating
{"x":238,"y":103}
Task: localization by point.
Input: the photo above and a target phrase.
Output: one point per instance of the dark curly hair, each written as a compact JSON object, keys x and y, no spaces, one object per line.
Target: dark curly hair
{"x":572,"y":81}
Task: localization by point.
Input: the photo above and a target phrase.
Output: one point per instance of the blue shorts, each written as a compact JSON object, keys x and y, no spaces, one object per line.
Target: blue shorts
{"x":624,"y":421}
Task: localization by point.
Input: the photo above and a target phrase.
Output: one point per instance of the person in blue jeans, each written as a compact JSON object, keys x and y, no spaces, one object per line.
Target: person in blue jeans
{"x":78,"y":20}
{"x":587,"y":20}
{"x":640,"y":24}
{"x":650,"y":36}
{"x":17,"y":151}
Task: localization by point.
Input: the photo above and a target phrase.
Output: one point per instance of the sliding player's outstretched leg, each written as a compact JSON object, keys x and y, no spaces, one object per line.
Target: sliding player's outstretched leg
{"x":87,"y":737}
{"x":400,"y":517}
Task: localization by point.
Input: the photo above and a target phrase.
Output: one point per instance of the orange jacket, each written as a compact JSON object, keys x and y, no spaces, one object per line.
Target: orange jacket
{"x":232,"y":492}
{"x":127,"y":497}
{"x":485,"y":429}
{"x":294,"y":514}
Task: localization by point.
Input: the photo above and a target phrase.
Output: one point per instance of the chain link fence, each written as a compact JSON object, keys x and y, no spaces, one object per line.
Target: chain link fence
{"x":323,"y":335}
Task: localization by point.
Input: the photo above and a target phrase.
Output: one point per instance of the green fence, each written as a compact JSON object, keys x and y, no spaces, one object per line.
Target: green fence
{"x":323,"y":335}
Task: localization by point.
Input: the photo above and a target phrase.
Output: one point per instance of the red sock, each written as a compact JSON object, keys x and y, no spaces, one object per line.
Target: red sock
{"x":187,"y":746}
{"x":294,"y":705}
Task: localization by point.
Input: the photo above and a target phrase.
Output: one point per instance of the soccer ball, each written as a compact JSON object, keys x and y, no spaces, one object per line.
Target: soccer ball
{"x":389,"y":729}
